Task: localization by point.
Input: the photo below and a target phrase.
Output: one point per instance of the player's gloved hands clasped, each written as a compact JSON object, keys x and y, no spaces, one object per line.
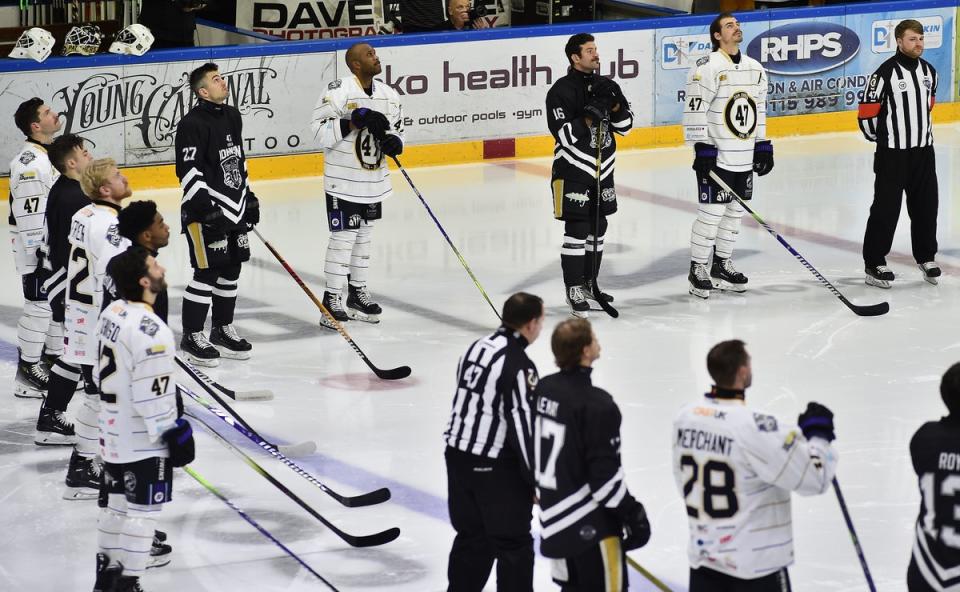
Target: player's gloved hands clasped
{"x":391,"y":145}
{"x":705,"y":159}
{"x":180,"y":443}
{"x":373,"y":121}
{"x":607,"y":87}
{"x":763,"y":157}
{"x":817,"y":421}
{"x":636,"y":529}
{"x":598,"y":108}
{"x":251,"y":216}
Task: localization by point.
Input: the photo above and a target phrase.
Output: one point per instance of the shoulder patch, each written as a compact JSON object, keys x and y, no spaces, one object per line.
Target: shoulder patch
{"x":156,"y":350}
{"x":765,"y":423}
{"x":27,"y":157}
{"x":334,"y":85}
{"x":703,"y":61}
{"x":113,"y":235}
{"x":532,"y":378}
{"x":148,"y":326}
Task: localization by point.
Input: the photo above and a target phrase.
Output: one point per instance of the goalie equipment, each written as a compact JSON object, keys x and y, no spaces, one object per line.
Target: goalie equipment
{"x":132,"y":40}
{"x":83,"y":40}
{"x":35,"y":44}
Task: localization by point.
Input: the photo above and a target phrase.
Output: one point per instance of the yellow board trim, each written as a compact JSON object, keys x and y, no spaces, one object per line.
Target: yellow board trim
{"x":311,"y":165}
{"x":199,"y":250}
{"x":613,"y":563}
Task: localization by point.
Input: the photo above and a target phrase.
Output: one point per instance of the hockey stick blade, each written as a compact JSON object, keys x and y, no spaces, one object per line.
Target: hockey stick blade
{"x":257,"y":395}
{"x":604,"y":305}
{"x":298,"y":450}
{"x":870,"y":310}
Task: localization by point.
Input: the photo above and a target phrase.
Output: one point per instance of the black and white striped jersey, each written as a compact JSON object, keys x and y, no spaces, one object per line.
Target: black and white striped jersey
{"x":575,"y":148}
{"x":935,"y":451}
{"x":896,"y":110}
{"x":491,"y":408}
{"x":580,"y":481}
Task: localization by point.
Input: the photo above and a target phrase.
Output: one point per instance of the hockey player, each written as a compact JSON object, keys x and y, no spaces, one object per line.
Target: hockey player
{"x":725,"y":119}
{"x":69,"y":155}
{"x":142,"y":224}
{"x":31,"y":177}
{"x":735,"y":469}
{"x":357,"y":123}
{"x":935,"y":450}
{"x":142,"y":438}
{"x":588,"y":518}
{"x":489,"y":480}
{"x":576,"y":106}
{"x":94,"y":240}
{"x":217,"y":210}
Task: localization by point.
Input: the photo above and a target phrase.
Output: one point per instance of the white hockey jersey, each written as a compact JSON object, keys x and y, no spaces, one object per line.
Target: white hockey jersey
{"x":735,"y":469}
{"x":354,"y":169}
{"x":94,"y":240}
{"x":31,"y":177}
{"x":726,"y":106}
{"x":137,"y":383}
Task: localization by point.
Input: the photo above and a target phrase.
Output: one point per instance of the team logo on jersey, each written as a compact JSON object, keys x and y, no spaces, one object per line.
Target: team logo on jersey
{"x":113,"y":235}
{"x":158,"y":497}
{"x":765,"y":423}
{"x":740,"y":115}
{"x":607,"y":139}
{"x":790,"y":440}
{"x":903,"y":85}
{"x":354,"y":221}
{"x":532,"y":379}
{"x":232,"y":177}
{"x":129,"y":482}
{"x":243,"y":241}
{"x":927,"y":82}
{"x":148,"y":326}
{"x":334,"y":85}
{"x":220,"y":245}
{"x":608,"y":194}
{"x":156,"y":350}
{"x":588,"y":532}
{"x":27,"y":157}
{"x":581,"y":199}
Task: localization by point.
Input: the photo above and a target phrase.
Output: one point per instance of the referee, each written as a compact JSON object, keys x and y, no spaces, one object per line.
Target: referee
{"x":896,"y":114}
{"x":489,"y":485}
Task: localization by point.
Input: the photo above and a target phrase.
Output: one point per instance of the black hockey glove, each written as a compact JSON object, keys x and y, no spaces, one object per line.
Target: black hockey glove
{"x":33,"y":284}
{"x":252,"y":214}
{"x":763,"y":157}
{"x":636,"y":529}
{"x":391,"y":145}
{"x":817,"y":420}
{"x":705,"y":159}
{"x":608,"y":87}
{"x":180,"y":443}
{"x":598,"y":108}
{"x":373,"y":121}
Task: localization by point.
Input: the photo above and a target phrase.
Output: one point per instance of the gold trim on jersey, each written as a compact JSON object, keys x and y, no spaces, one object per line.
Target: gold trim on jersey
{"x":558,"y":198}
{"x":195,"y":235}
{"x":612,"y":564}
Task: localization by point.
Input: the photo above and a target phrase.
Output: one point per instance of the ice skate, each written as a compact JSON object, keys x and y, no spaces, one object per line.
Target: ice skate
{"x":931,"y":272}
{"x":724,"y":276}
{"x":879,"y":276}
{"x":53,"y":429}
{"x":700,"y":284}
{"x":334,"y":305}
{"x":199,"y":351}
{"x":579,"y":307}
{"x":229,"y":343}
{"x":361,"y":307}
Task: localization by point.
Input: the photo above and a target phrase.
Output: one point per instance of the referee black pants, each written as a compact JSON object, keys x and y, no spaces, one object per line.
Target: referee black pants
{"x":914,"y":171}
{"x":490,"y":507}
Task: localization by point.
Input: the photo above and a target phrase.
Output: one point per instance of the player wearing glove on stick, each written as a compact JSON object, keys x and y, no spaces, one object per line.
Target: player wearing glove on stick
{"x":725,"y":120}
{"x":588,"y":518}
{"x":735,"y":469}
{"x":357,"y":122}
{"x":576,"y":104}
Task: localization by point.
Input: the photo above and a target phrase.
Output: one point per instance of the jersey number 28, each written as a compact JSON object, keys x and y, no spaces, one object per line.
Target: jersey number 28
{"x":719,"y":496}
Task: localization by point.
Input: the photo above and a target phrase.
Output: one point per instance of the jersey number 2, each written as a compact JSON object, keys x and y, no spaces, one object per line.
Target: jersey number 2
{"x":718,"y":486}
{"x":79,"y":255}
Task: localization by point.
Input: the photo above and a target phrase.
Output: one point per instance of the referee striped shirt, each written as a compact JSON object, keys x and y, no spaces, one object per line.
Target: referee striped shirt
{"x":897,"y":105}
{"x":491,"y":408}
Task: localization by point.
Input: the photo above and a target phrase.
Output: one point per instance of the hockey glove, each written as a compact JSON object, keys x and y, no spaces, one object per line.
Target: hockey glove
{"x":180,"y":443}
{"x":817,"y":421}
{"x":763,"y":157}
{"x":359,"y":117}
{"x":608,"y":87}
{"x":636,"y":529}
{"x":598,"y":108}
{"x":377,"y":125}
{"x":705,"y":159}
{"x":391,"y":145}
{"x":252,"y":214}
{"x":33,"y":290}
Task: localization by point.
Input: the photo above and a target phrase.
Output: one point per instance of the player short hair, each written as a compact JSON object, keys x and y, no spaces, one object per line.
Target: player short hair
{"x":575,"y":44}
{"x":520,"y":309}
{"x":907,"y":25}
{"x":28,"y":112}
{"x":135,"y":218}
{"x":62,"y":148}
{"x":950,"y":389}
{"x":95,"y":176}
{"x":715,"y":28}
{"x":198,"y":76}
{"x":568,"y":340}
{"x":126,"y":269}
{"x":725,"y":359}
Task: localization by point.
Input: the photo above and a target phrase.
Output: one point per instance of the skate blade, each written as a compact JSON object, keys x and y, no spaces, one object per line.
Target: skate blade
{"x":727,"y":286}
{"x":699,"y":292}
{"x":206,"y":363}
{"x":931,"y":280}
{"x":230,"y":354}
{"x":158,"y":561}
{"x":80,"y":493}
{"x":261,"y":395}
{"x":328,"y":324}
{"x":580,"y":314}
{"x":54,"y":439}
{"x":356,"y":315}
{"x":22,"y":391}
{"x":877,"y":283}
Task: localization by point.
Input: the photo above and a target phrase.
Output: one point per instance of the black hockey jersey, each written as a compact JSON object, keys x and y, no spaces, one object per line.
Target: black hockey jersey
{"x":66,"y":199}
{"x":211,"y":162}
{"x":580,"y":481}
{"x":575,"y":151}
{"x":935,"y":450}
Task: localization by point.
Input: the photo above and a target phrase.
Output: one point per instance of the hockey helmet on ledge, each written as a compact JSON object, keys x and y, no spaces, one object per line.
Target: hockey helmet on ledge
{"x":132,"y":40}
{"x":35,"y":44}
{"x":83,"y":40}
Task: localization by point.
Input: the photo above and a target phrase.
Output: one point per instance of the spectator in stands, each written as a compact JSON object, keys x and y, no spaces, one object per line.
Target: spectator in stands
{"x":172,"y":22}
{"x":460,"y":19}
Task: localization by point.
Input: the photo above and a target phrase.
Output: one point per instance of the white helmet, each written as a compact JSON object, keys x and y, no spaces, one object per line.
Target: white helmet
{"x":35,"y":43}
{"x":132,"y":40}
{"x":83,"y":40}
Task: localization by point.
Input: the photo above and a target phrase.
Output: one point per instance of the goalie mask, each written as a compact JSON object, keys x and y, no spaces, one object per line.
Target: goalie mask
{"x":133,"y":40}
{"x":83,"y":40}
{"x":35,"y":43}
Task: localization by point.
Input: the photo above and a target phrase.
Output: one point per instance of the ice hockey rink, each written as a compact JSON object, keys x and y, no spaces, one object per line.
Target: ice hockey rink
{"x":879,"y":375}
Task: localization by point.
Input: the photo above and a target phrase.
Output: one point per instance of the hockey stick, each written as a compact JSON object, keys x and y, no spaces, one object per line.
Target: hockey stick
{"x":463,"y":261}
{"x":369,"y":540}
{"x":870,"y":310}
{"x":209,"y":487}
{"x":853,"y":536}
{"x":653,"y":579}
{"x":196,"y":374}
{"x":367,"y":499}
{"x":597,"y":294}
{"x":388,"y":374}
{"x":301,"y":449}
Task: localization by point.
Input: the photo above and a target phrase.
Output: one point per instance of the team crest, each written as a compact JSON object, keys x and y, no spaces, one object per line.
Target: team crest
{"x":703,"y":61}
{"x":740,"y":115}
{"x":232,"y":177}
{"x":532,"y":379}
{"x":148,"y":326}
{"x":607,"y":139}
{"x":27,"y":157}
{"x":129,"y":482}
{"x":765,"y":423}
{"x":243,"y":241}
{"x":113,"y":235}
{"x":927,"y":83}
{"x":608,"y":194}
{"x":334,"y":85}
{"x":581,"y":199}
{"x":220,"y":245}
{"x":354,"y":221}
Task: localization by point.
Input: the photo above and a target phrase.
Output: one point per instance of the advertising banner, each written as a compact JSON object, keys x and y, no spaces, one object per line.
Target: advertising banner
{"x":131,"y":113}
{"x":813,"y":66}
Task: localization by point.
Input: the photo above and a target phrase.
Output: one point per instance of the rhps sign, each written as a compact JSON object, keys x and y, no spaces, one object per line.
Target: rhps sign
{"x":153,"y":106}
{"x":804,"y":48}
